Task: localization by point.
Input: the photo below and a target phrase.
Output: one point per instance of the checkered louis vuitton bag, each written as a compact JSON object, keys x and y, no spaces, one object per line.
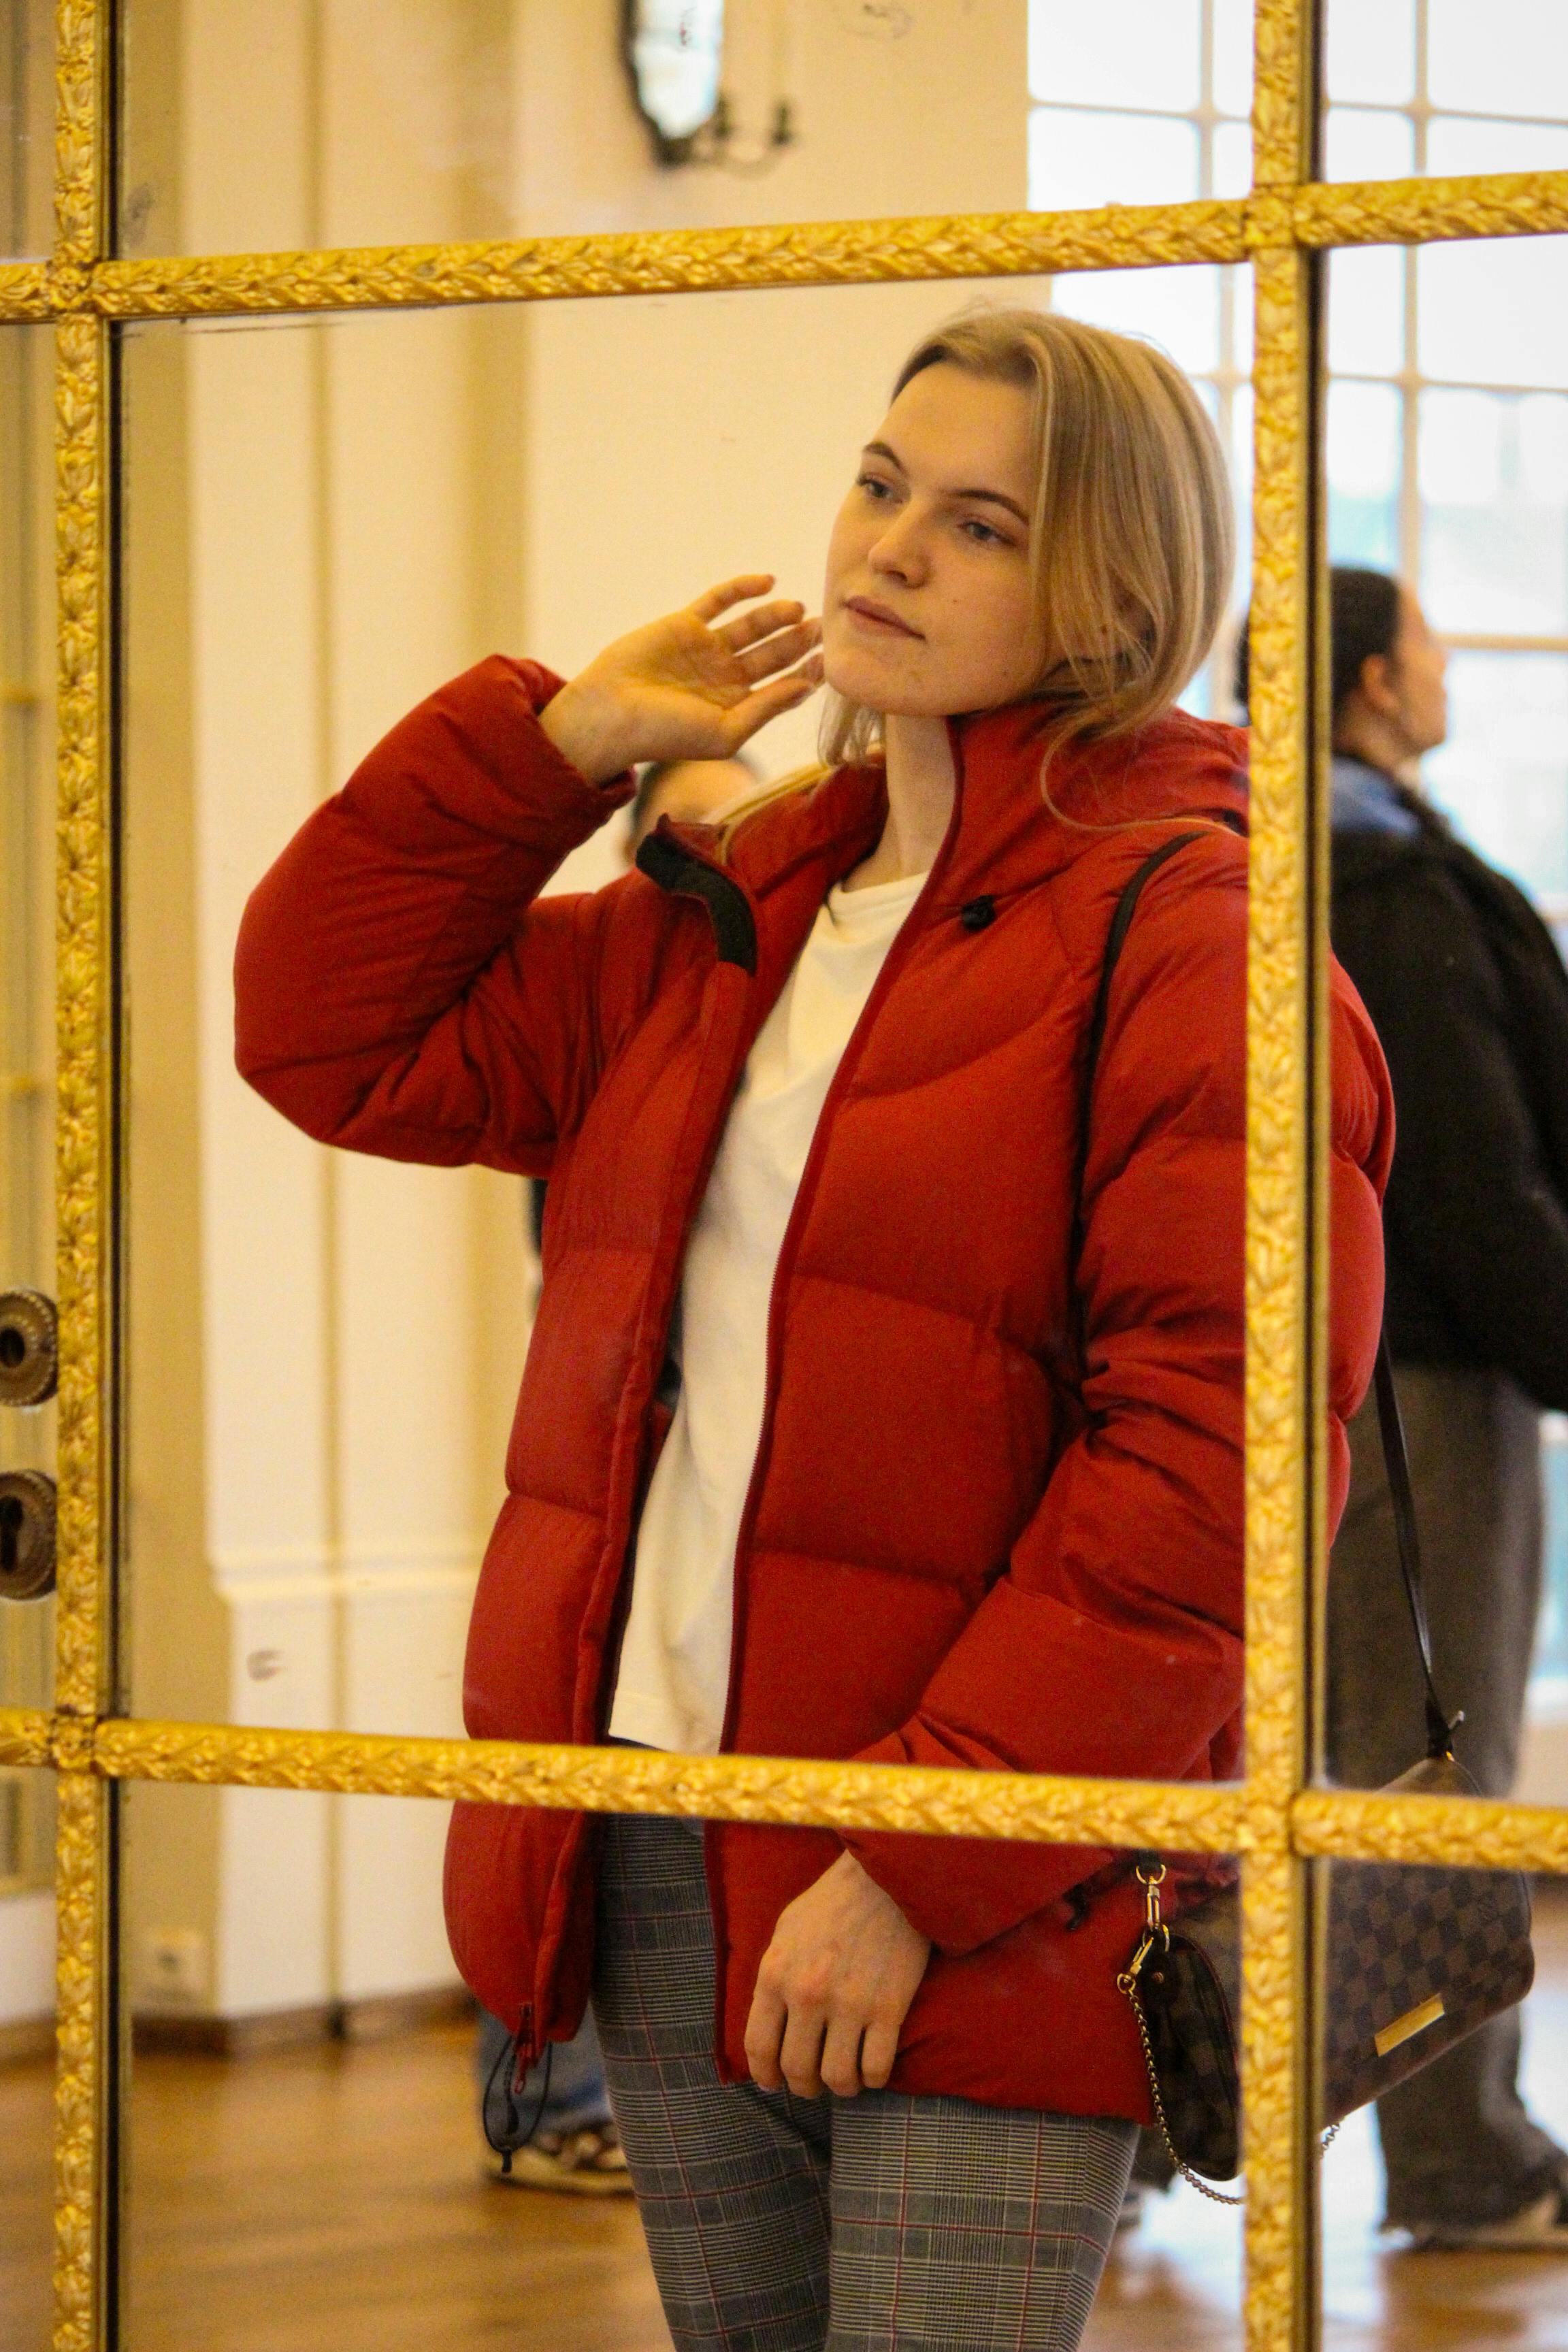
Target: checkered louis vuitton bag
{"x":1413,"y":1959}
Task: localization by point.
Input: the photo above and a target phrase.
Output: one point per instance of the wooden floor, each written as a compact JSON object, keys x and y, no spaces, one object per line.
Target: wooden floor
{"x":331,"y":2201}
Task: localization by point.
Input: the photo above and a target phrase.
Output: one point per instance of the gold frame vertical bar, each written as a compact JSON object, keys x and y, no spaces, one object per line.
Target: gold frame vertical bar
{"x":85,"y":1142}
{"x":1283,"y":1214}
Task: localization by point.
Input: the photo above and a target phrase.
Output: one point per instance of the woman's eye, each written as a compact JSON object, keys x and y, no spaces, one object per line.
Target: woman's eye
{"x":983,"y":534}
{"x":873,"y":487}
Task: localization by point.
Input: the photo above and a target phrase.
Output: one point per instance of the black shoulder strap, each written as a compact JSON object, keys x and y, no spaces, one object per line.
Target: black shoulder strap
{"x":1120,"y":924}
{"x":1440,"y":1725}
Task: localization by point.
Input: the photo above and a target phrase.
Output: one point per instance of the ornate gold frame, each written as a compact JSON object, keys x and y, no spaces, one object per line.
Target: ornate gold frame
{"x":1274,"y":1819}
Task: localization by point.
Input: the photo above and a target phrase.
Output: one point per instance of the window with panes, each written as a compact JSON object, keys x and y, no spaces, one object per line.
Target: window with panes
{"x":1447,"y":406}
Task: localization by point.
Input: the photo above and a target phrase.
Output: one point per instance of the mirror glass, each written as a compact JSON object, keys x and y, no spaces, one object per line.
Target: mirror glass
{"x":305,"y":2155}
{"x":1445,"y":87}
{"x":27,"y":117}
{"x":349,"y":125}
{"x":1450,"y":874}
{"x":27,"y":1281}
{"x":1432,"y":2195}
{"x":27,"y":2171}
{"x":1447,"y":465}
{"x":326,"y":520}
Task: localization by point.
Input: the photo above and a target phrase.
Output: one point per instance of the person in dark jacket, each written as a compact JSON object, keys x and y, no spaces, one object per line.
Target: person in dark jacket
{"x":1469,"y":997}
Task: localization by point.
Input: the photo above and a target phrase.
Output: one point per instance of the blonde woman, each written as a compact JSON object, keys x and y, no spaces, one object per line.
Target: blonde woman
{"x":877,"y":1407}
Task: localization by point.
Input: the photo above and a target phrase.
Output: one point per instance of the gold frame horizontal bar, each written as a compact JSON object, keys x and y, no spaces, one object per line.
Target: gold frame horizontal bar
{"x":1040,"y":1809}
{"x":1373,"y":1827}
{"x":801,"y":1791}
{"x":678,"y":261}
{"x":26,"y":1737}
{"x":812,"y":253}
{"x":29,"y":293}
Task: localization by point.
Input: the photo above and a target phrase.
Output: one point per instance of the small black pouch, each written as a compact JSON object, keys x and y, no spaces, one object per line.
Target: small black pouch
{"x":1183,"y":1982}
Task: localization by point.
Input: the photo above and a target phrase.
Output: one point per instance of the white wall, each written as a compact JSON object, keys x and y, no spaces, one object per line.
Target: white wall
{"x":669,"y":440}
{"x":26,"y":1957}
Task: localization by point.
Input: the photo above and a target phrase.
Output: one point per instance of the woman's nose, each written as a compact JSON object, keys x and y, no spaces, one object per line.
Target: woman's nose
{"x":900,"y":549}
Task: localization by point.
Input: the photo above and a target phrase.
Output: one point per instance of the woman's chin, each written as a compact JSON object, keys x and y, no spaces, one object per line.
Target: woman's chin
{"x":873,"y":685}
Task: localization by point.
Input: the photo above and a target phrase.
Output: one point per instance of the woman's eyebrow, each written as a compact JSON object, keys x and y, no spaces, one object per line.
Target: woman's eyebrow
{"x":994,"y":498}
{"x":990,"y":498}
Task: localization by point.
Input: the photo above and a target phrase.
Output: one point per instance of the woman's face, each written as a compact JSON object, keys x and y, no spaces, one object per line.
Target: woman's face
{"x":928,"y":608}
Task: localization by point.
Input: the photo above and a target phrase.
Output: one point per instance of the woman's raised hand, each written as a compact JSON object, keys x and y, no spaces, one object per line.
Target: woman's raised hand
{"x":685,"y":688}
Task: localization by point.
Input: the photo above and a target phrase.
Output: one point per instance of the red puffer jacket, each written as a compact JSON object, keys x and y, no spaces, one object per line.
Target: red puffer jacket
{"x":941,"y":1560}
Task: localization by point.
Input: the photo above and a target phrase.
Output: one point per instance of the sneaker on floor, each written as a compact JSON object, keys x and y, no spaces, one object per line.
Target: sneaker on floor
{"x":1538,"y":2228}
{"x":589,"y":2163}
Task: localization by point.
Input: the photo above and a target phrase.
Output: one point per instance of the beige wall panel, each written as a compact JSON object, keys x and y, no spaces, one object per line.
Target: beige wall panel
{"x":415,"y":119}
{"x":275,"y":1934}
{"x":26,"y":1956}
{"x":408,"y":1466}
{"x":397,"y":518}
{"x":392,"y":1936}
{"x":898,"y":110}
{"x":248,"y":172}
{"x":255,"y":700}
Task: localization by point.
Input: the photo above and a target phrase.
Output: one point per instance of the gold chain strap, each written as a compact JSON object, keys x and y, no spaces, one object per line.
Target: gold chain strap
{"x":1217,"y":2195}
{"x":1156,"y":1930}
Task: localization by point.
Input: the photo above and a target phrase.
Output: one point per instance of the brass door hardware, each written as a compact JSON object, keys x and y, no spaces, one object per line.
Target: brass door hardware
{"x":27,"y":1535}
{"x":29,"y":1348}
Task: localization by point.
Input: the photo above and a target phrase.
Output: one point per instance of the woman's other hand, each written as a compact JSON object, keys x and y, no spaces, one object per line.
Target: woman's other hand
{"x":681,"y":688}
{"x":835,"y":1988}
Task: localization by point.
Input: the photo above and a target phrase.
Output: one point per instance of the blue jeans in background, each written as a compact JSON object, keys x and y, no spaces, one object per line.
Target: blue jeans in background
{"x":576,"y":2100}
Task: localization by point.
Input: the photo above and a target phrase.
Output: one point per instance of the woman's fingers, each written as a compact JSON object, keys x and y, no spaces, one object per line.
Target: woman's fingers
{"x":749,"y":628}
{"x":764,"y":2031}
{"x":780,"y":651}
{"x":878,"y":2051}
{"x":800,"y":2053}
{"x":841,"y":2065}
{"x":741,"y":720}
{"x":714,"y":600}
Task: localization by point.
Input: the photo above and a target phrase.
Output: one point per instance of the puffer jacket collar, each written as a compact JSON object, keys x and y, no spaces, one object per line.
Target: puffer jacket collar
{"x":1003,"y":836}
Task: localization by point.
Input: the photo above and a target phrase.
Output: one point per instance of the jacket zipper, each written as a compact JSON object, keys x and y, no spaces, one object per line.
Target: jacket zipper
{"x":898,"y":956}
{"x":893,"y":963}
{"x":724,"y":897}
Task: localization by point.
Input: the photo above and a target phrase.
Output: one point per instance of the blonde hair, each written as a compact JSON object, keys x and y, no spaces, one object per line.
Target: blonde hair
{"x":1131,"y":540}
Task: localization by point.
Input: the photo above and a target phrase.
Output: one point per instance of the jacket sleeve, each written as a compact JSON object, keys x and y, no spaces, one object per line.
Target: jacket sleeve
{"x":1111,"y":1645}
{"x":398,"y":990}
{"x":1471,"y":1210}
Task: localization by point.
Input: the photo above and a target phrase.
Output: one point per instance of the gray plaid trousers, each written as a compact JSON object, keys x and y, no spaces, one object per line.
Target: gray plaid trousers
{"x":880,"y":2224}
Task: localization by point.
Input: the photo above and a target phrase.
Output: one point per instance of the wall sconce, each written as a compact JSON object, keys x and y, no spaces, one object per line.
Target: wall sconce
{"x":674,"y":51}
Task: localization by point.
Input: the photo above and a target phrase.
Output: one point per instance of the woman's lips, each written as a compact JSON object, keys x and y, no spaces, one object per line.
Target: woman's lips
{"x":878,"y":617}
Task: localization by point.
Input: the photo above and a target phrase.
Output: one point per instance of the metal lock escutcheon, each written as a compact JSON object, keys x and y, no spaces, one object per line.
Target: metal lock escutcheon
{"x":27,"y":1535}
{"x":29,"y":1348}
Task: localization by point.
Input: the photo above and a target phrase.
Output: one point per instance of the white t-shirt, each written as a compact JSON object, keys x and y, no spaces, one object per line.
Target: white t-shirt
{"x":674,"y":1676}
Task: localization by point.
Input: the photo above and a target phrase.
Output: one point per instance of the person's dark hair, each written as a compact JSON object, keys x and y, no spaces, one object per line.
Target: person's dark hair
{"x":1363,"y":620}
